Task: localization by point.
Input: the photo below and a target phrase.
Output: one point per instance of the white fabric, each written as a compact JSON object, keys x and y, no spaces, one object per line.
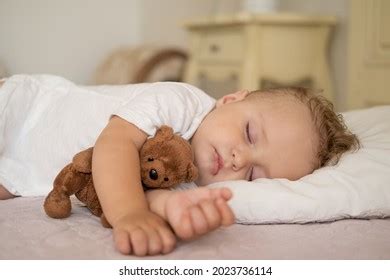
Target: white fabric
{"x":45,"y":120}
{"x":358,"y":187}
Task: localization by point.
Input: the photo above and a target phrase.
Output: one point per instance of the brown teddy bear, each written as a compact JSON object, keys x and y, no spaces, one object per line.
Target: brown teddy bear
{"x":166,"y":161}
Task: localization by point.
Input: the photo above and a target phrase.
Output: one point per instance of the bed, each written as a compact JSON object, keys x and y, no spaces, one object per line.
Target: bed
{"x":26,"y":233}
{"x":338,"y":212}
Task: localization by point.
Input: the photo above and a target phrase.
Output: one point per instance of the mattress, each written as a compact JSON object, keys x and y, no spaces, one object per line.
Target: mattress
{"x":27,"y":233}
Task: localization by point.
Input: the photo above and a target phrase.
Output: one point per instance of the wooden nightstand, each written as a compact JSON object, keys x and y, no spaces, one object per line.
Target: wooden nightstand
{"x":249,"y":51}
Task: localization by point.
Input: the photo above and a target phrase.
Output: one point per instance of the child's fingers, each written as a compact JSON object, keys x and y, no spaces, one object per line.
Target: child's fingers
{"x":139,"y":242}
{"x":155,"y":245}
{"x":198,"y":220}
{"x":211,"y":213}
{"x":226,"y":212}
{"x":224,"y":193}
{"x":168,"y":239}
{"x":184,"y":230}
{"x":122,"y":242}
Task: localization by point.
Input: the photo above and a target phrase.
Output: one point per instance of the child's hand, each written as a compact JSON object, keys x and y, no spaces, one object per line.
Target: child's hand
{"x":194,"y":212}
{"x":143,"y":233}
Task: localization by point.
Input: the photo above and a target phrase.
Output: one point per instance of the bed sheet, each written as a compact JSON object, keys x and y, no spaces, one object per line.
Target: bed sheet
{"x":27,"y":233}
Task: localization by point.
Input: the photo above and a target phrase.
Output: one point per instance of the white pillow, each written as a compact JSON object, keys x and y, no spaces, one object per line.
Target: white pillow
{"x":357,"y":187}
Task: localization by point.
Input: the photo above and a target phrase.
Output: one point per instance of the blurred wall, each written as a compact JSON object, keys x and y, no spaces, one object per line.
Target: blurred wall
{"x":64,"y":37}
{"x":162,"y":21}
{"x":71,"y":37}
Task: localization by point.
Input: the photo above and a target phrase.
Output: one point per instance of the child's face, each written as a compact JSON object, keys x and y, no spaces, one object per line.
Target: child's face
{"x":246,"y":139}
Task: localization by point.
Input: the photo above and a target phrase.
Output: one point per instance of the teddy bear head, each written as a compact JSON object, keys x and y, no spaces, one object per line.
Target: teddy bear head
{"x":166,"y":160}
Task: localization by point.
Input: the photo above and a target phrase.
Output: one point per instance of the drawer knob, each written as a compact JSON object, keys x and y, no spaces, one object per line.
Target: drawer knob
{"x":214,"y":48}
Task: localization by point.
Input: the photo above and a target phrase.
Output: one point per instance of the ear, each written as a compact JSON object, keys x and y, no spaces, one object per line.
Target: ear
{"x":232,"y":97}
{"x":164,"y":132}
{"x":192,"y":173}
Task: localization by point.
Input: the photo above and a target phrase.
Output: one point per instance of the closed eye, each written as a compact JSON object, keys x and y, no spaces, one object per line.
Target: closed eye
{"x":248,"y":135}
{"x":251,"y":175}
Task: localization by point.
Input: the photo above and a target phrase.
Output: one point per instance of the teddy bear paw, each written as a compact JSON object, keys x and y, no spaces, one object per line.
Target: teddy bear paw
{"x":57,"y":205}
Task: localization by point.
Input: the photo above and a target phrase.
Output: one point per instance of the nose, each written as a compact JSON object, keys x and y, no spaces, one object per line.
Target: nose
{"x":240,"y":159}
{"x":153,"y":174}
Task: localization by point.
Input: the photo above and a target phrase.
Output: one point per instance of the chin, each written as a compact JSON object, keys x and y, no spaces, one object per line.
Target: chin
{"x":203,"y":181}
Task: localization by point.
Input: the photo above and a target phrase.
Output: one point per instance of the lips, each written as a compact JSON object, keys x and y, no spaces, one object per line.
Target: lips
{"x":218,"y":163}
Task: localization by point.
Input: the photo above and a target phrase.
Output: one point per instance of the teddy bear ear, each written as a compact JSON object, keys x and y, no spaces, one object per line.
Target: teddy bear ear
{"x":192,"y":173}
{"x":164,"y":132}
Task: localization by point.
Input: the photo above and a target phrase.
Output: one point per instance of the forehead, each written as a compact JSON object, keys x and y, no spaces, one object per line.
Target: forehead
{"x":278,"y":106}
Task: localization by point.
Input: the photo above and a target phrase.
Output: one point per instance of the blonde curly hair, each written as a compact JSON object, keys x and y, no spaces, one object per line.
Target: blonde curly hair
{"x":334,"y":137}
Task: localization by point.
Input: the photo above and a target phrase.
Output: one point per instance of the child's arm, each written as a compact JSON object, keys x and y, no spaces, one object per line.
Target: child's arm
{"x":116,"y":175}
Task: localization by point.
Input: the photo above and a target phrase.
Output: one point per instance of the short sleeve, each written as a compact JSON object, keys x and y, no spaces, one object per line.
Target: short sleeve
{"x":178,"y":105}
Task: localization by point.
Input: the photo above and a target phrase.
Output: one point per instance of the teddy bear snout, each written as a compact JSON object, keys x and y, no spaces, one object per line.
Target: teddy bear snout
{"x":153,"y":174}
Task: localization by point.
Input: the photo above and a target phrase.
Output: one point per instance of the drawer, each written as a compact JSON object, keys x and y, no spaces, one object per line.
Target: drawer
{"x":218,"y":80}
{"x":222,"y":46}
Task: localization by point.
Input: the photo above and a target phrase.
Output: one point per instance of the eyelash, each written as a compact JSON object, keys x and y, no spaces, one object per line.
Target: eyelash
{"x":250,"y":141}
{"x":248,"y":134}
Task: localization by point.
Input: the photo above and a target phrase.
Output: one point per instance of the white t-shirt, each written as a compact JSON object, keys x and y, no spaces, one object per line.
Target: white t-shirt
{"x":45,"y":120}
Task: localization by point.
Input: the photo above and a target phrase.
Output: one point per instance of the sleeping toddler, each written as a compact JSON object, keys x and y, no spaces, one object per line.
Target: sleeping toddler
{"x":277,"y":133}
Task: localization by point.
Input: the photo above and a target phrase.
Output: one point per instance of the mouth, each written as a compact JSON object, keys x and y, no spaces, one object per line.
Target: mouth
{"x":218,"y":163}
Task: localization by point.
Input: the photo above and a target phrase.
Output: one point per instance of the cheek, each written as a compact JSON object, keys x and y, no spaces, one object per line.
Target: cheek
{"x":202,"y":161}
